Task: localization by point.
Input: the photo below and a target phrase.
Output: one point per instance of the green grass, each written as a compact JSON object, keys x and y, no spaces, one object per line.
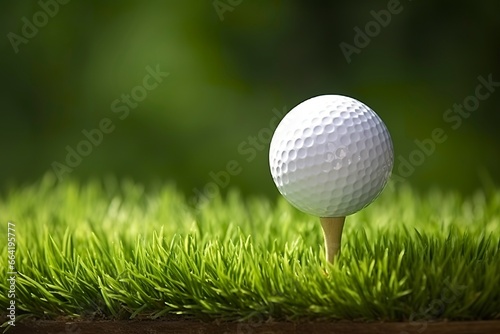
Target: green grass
{"x":116,"y":250}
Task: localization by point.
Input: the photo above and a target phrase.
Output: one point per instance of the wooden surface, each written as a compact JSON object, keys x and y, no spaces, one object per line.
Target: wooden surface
{"x":197,"y":327}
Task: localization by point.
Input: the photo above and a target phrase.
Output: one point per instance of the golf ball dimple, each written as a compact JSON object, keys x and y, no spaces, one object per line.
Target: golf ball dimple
{"x":331,"y":156}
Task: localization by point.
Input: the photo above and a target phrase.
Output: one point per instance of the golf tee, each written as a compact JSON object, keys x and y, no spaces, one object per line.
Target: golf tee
{"x":332,"y":231}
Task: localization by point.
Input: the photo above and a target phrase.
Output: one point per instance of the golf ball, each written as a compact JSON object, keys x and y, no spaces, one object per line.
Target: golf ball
{"x":331,"y":156}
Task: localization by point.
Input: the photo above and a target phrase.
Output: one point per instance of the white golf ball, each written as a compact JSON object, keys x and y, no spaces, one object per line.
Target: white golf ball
{"x":331,"y":156}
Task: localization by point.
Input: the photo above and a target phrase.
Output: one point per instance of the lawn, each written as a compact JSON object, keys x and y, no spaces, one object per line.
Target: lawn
{"x":109,"y":249}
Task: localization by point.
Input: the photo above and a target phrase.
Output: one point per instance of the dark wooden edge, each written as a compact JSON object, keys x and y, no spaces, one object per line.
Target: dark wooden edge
{"x":197,"y":327}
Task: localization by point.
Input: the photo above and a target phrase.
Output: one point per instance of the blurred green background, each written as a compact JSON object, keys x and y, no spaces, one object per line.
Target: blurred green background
{"x":230,"y":64}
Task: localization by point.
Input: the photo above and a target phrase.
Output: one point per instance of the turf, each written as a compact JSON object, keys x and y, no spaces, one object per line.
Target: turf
{"x":115,"y":249}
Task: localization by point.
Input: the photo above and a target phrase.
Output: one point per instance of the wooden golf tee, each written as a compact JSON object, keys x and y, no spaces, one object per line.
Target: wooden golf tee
{"x":332,"y":230}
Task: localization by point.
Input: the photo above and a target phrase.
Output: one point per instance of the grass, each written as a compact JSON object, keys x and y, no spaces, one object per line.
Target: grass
{"x":113,"y":249}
